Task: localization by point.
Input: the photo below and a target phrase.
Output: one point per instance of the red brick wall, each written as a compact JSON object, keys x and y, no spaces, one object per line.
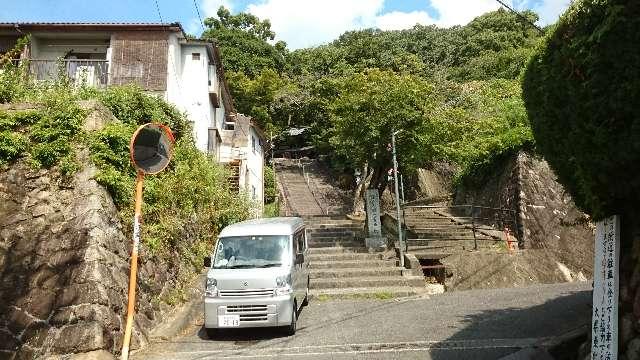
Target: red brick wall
{"x":141,"y":58}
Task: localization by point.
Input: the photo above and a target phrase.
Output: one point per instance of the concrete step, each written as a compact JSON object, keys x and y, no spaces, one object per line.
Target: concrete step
{"x":355,"y":272}
{"x":339,"y":249}
{"x":330,"y":222}
{"x":443,"y":237}
{"x":350,"y":263}
{"x":343,"y":256}
{"x":362,"y":293}
{"x":335,"y":244}
{"x":329,"y":239}
{"x":375,"y":281}
{"x":332,"y":232}
{"x":324,"y":228}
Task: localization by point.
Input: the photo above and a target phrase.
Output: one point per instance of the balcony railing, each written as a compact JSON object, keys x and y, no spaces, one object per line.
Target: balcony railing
{"x":84,"y":72}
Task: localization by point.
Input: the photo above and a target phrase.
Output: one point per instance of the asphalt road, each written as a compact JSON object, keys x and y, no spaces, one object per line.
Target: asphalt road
{"x":476,"y":324}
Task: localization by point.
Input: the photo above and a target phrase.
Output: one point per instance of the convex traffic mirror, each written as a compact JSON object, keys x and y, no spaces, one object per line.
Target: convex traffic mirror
{"x":151,"y":147}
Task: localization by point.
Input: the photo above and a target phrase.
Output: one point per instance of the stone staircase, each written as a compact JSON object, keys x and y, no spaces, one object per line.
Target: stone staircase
{"x":430,"y":231}
{"x":300,"y":199}
{"x":341,"y":267}
{"x":309,"y":188}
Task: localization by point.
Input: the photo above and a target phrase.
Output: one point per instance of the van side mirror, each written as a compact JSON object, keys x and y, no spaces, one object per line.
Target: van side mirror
{"x":207,"y":261}
{"x":299,"y":259}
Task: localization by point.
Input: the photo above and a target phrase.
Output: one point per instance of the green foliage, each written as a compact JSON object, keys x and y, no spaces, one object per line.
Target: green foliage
{"x":18,"y":119}
{"x":369,"y":106}
{"x":52,"y":136}
{"x":581,"y":90}
{"x":184,"y":207}
{"x":11,"y":75}
{"x":271,"y":209}
{"x":496,"y":44}
{"x":270,"y":186}
{"x":488,"y":120}
{"x":243,"y":42}
{"x":254,"y":96}
{"x":46,"y":135}
{"x":190,"y":202}
{"x":12,"y":145}
{"x":110,"y":153}
{"x":132,"y":106}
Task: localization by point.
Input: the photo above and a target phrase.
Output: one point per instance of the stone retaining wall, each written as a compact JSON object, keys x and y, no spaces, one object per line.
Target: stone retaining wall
{"x":64,"y":266}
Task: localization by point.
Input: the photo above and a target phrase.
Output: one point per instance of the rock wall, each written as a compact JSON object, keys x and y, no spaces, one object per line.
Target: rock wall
{"x":546,"y":216}
{"x":629,"y":301}
{"x":499,"y":269}
{"x":64,"y":265}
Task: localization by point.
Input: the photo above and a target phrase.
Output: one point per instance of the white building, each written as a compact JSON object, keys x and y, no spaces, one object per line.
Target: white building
{"x":159,"y":58}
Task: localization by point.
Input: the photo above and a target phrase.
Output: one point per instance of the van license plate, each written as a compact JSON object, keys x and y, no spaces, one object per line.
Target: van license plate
{"x":228,"y":320}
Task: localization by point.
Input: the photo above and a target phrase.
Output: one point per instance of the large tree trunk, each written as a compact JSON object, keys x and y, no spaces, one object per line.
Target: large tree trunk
{"x":358,"y":194}
{"x":378,"y":180}
{"x":375,"y":179}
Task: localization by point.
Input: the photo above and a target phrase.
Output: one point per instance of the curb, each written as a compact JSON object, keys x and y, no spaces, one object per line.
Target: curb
{"x":557,"y":347}
{"x":182,"y":316}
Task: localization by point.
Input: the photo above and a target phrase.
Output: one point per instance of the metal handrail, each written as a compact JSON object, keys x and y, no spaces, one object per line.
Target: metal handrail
{"x":305,"y":175}
{"x":91,"y":72}
{"x":503,"y":217}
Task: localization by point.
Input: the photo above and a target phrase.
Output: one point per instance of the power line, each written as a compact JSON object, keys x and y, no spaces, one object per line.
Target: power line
{"x":158,"y":9}
{"x":195,"y":3}
{"x":518,"y":14}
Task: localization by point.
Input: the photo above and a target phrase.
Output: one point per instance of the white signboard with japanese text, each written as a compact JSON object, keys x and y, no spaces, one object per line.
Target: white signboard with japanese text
{"x":373,"y":213}
{"x":604,"y":323}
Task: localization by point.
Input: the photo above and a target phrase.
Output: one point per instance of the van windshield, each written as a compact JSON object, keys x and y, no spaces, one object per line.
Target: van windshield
{"x":252,"y":252}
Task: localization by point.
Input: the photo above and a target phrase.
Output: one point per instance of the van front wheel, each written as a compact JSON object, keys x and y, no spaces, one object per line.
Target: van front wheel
{"x":291,"y":329}
{"x":212,"y":333}
{"x":305,"y":301}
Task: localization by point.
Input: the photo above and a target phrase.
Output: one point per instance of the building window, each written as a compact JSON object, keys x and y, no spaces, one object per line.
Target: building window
{"x":253,"y":144}
{"x":195,"y":56}
{"x":253,"y":191}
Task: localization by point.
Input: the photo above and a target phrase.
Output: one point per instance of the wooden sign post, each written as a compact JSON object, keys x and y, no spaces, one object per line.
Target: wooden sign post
{"x":604,"y":322}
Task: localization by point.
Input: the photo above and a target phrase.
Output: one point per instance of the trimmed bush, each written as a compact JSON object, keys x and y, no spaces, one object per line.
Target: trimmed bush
{"x":582,"y":93}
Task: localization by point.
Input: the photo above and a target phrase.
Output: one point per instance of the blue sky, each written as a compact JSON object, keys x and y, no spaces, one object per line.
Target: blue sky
{"x":301,"y":23}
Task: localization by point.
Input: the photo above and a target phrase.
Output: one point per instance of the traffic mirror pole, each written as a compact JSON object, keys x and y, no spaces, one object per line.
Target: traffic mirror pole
{"x":134,"y":266}
{"x":150,"y":148}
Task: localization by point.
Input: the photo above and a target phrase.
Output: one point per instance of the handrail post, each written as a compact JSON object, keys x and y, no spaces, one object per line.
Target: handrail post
{"x":515,"y":228}
{"x":473,"y":228}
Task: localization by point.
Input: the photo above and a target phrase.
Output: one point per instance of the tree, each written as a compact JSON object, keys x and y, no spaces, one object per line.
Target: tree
{"x":582,"y":93}
{"x":244,"y":42}
{"x":368,"y":108}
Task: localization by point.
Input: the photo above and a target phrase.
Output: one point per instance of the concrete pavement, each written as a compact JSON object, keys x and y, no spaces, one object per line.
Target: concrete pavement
{"x":476,"y":324}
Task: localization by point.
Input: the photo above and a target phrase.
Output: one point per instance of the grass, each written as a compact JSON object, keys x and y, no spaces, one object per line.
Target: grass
{"x":382,"y":295}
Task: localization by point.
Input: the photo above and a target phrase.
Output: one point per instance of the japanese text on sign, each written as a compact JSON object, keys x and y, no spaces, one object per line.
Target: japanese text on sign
{"x":604,"y":323}
{"x":373,"y":213}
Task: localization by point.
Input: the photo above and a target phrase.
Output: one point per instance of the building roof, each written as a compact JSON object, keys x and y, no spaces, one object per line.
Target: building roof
{"x":264,"y":226}
{"x":90,"y":26}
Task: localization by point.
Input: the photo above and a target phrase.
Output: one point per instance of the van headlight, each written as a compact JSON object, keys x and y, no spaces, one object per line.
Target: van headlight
{"x":283,"y":285}
{"x":211,"y":287}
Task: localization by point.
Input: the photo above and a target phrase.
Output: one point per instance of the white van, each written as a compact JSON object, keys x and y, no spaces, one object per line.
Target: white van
{"x":258,"y":275}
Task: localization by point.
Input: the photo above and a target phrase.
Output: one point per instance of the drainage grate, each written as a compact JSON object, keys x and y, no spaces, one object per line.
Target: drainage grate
{"x":433,"y":270}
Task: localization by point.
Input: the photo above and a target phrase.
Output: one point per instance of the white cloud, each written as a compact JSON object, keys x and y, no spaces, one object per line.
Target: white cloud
{"x":397,"y":20}
{"x":209,"y":8}
{"x":460,"y":12}
{"x":304,"y":23}
{"x":308,"y":23}
{"x":550,"y":10}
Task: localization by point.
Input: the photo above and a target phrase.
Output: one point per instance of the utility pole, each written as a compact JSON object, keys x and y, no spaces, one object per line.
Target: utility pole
{"x":395,"y":177}
{"x":402,"y":188}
